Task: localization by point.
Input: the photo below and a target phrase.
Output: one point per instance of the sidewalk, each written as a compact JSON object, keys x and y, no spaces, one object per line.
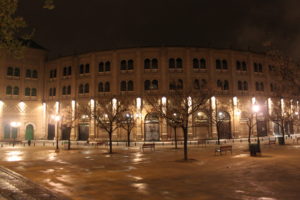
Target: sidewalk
{"x":16,"y":187}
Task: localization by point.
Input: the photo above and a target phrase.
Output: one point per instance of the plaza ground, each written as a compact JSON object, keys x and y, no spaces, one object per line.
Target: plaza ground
{"x":86,"y":172}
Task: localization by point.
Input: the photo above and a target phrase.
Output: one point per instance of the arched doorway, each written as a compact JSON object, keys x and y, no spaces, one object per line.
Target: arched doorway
{"x":261,"y":125}
{"x":224,"y":125}
{"x":51,"y":131}
{"x":65,"y":132}
{"x":152,"y":127}
{"x":7,"y":131}
{"x":83,"y":132}
{"x":201,"y":125}
{"x":29,"y":133}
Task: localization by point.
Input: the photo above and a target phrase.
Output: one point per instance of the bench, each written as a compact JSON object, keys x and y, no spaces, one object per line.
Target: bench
{"x":149,"y":146}
{"x":223,"y":149}
{"x":272,"y":141}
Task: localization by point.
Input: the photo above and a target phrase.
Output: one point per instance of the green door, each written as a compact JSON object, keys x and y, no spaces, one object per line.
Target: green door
{"x":6,"y":131}
{"x":29,"y":132}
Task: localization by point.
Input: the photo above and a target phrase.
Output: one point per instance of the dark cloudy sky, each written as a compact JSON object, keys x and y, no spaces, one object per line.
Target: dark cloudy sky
{"x":76,"y":26}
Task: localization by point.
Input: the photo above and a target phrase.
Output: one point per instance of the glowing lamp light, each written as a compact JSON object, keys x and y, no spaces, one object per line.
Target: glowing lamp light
{"x":15,"y":124}
{"x":296,"y":113}
{"x":255,"y":108}
{"x":56,"y":117}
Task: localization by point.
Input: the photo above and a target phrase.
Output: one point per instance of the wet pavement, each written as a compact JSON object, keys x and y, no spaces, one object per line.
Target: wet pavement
{"x":90,"y":173}
{"x":15,"y":187}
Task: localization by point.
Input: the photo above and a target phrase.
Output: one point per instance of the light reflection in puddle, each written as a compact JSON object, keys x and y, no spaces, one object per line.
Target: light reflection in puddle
{"x":14,"y":156}
{"x":141,"y":187}
{"x":136,"y":178}
{"x":58,"y":187}
{"x":266,"y":198}
{"x":51,"y":156}
{"x":239,"y":191}
{"x":241,"y":156}
{"x":137,"y":158}
{"x":48,"y":171}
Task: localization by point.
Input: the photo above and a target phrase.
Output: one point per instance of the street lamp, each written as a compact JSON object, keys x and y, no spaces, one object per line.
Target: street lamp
{"x":14,"y":135}
{"x":56,"y":118}
{"x":255,"y":109}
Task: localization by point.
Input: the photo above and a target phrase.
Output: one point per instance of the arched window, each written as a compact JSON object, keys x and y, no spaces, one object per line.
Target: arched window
{"x":224,"y":63}
{"x":155,"y":84}
{"x":86,"y":88}
{"x":123,"y":65}
{"x":54,"y":91}
{"x":240,"y":85}
{"x":54,"y":73}
{"x":69,"y":89}
{"x":180,"y":84}
{"x":81,"y":69}
{"x":81,"y":89}
{"x":107,"y":66}
{"x":179,"y":63}
{"x":154,"y":63}
{"x":65,"y":73}
{"x":27,"y":92}
{"x":196,"y":84}
{"x":226,"y":85}
{"x":172,"y":85}
{"x":195,"y":63}
{"x":218,"y":64}
{"x":28,"y":73}
{"x":255,"y":67}
{"x":8,"y":90}
{"x":87,"y":68}
{"x":271,"y":87}
{"x":16,"y":90}
{"x":123,"y":86}
{"x":107,"y":87}
{"x":101,"y":67}
{"x":244,"y":66}
{"x":203,"y":83}
{"x":146,"y":85}
{"x":130,"y":65}
{"x":260,"y":68}
{"x":33,"y":92}
{"x":17,"y":71}
{"x":171,"y":63}
{"x":50,"y":92}
{"x":100,"y":87}
{"x":238,"y":65}
{"x":69,"y":70}
{"x":130,"y":86}
{"x":262,"y":86}
{"x":219,"y":84}
{"x":34,"y":74}
{"x":245,"y":85}
{"x":9,"y":71}
{"x":256,"y":86}
{"x":202,"y":63}
{"x":64,"y":90}
{"x":147,"y":64}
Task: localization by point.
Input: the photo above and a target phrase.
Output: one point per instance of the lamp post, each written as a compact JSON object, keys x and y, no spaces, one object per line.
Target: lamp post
{"x":14,"y":135}
{"x":255,"y":109}
{"x":56,"y":118}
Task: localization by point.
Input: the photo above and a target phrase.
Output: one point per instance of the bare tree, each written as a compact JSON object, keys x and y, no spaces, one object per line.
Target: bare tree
{"x":174,"y":125}
{"x":106,"y":112}
{"x":180,"y":105}
{"x":127,"y":120}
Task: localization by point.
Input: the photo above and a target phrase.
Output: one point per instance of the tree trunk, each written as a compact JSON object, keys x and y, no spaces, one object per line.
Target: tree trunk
{"x":110,"y":142}
{"x":69,"y":143}
{"x":218,"y":134}
{"x":185,"y":133}
{"x":283,"y":132}
{"x":128,"y":138}
{"x":249,"y":135}
{"x":175,"y":134}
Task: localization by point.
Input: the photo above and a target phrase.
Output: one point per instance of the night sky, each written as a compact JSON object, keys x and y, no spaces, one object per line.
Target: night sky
{"x":77,"y":26}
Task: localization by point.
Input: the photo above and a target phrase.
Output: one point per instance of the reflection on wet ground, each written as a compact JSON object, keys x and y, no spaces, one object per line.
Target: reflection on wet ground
{"x":131,"y":174}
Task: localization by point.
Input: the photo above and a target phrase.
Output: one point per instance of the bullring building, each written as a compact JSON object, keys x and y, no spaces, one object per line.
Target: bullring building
{"x":32,"y":89}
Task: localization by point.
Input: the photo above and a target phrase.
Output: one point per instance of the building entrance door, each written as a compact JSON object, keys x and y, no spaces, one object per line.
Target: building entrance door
{"x":83,"y":132}
{"x":51,"y":131}
{"x":152,"y":127}
{"x":29,"y":133}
